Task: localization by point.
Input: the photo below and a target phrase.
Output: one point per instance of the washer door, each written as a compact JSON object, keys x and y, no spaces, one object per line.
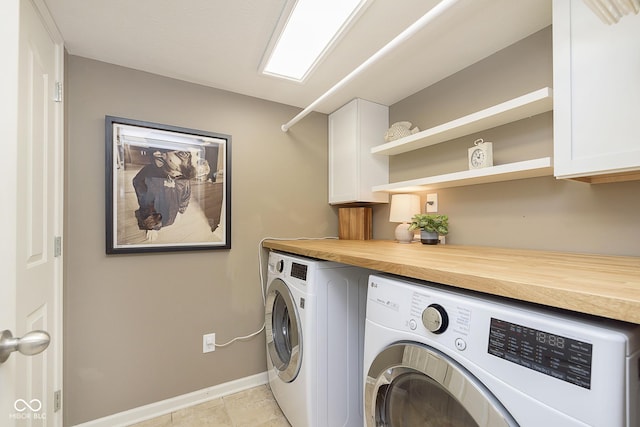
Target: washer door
{"x":284,"y":331}
{"x":410,"y":384}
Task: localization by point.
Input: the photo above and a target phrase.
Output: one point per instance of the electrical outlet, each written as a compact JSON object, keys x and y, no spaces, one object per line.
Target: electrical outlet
{"x":432,"y":203}
{"x":208,"y":343}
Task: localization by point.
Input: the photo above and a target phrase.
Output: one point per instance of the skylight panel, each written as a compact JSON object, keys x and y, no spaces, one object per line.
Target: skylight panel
{"x":308,"y":34}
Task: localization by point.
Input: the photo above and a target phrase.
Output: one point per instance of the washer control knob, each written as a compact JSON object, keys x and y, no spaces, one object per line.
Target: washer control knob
{"x":435,"y":318}
{"x":280,"y":266}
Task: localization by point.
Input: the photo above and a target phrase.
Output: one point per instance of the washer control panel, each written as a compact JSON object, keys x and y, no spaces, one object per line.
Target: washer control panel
{"x":438,"y":316}
{"x":560,"y":357}
{"x":299,"y":271}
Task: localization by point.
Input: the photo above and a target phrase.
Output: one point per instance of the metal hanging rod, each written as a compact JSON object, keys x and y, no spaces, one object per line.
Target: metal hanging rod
{"x":432,"y":14}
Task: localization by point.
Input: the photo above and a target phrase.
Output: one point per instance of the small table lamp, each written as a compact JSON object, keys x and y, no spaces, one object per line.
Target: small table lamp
{"x":403,"y":208}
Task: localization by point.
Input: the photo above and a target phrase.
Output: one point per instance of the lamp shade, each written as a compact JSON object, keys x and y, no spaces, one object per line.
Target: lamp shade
{"x":404,"y":207}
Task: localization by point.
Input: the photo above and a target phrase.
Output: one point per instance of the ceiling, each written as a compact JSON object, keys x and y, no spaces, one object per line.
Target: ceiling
{"x":220,"y":43}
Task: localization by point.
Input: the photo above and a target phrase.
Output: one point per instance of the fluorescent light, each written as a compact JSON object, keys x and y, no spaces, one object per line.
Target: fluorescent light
{"x":310,"y":30}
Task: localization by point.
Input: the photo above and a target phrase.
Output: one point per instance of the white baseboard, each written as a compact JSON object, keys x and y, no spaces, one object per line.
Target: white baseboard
{"x":152,"y":410}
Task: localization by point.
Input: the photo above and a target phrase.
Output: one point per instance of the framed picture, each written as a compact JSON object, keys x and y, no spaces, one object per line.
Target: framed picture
{"x":167,"y":188}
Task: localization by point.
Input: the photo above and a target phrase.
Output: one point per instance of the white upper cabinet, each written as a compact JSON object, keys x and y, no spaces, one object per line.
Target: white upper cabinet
{"x":596,"y":75}
{"x":353,"y":170}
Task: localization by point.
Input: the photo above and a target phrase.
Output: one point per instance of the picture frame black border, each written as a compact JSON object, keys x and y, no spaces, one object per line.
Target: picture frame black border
{"x":110,"y":121}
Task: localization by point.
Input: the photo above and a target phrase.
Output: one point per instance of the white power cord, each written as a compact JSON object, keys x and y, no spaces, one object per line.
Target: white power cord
{"x":241,"y":338}
{"x":263,"y":285}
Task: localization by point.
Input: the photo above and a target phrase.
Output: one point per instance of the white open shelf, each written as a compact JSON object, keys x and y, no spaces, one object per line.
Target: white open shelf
{"x":508,"y":172}
{"x":531,"y":104}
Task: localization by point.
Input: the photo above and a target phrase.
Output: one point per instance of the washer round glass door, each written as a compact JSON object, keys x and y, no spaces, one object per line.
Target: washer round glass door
{"x":283,"y":329}
{"x":415,"y":385}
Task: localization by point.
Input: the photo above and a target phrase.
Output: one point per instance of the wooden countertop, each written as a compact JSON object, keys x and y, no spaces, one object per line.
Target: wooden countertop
{"x":607,"y":286}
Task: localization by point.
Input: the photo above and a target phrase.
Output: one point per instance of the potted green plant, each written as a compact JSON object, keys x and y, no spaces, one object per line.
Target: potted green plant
{"x":430,"y":226}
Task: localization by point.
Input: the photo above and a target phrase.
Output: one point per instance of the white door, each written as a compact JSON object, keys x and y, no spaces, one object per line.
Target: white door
{"x":31,"y":162}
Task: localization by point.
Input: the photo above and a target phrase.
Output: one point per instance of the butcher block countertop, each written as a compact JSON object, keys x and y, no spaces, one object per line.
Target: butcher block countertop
{"x":607,"y":286}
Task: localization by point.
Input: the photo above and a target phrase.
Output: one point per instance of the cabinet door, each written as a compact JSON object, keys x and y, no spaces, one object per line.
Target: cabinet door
{"x":343,"y":165}
{"x":353,"y":170}
{"x":596,"y":92}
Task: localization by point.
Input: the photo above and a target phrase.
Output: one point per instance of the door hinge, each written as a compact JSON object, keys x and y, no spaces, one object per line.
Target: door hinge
{"x":57,"y":246}
{"x":57,"y":95}
{"x":57,"y":400}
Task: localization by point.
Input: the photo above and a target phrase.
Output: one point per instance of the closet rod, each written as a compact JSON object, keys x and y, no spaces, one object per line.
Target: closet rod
{"x":432,"y":14}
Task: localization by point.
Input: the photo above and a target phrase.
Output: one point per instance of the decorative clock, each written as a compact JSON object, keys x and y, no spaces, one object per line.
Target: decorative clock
{"x":481,"y":154}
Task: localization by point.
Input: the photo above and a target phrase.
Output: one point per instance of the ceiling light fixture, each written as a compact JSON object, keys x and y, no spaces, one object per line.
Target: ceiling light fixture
{"x":307,"y":34}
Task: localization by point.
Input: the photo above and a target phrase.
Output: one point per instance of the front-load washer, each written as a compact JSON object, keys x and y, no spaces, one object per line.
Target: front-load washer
{"x":435,"y":356}
{"x":314,"y":319}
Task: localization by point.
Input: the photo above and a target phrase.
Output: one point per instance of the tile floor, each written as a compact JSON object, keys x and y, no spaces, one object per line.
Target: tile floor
{"x":255,"y":407}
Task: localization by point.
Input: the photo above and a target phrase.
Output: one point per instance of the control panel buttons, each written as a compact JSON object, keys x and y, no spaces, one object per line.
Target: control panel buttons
{"x":435,"y":318}
{"x":413,"y":324}
{"x":461,"y":344}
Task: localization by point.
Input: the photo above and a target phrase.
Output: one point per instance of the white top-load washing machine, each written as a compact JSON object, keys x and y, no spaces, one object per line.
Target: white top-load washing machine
{"x":435,"y":356}
{"x":314,"y":318}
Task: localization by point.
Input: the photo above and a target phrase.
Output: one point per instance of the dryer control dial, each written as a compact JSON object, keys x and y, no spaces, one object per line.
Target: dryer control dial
{"x":435,"y":318}
{"x":280,"y":266}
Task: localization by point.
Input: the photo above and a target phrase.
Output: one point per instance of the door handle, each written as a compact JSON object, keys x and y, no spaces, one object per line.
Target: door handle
{"x":32,"y":343}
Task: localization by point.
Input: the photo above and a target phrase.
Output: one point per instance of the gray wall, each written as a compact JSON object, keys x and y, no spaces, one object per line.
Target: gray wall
{"x":538,"y":213}
{"x":133,"y":324}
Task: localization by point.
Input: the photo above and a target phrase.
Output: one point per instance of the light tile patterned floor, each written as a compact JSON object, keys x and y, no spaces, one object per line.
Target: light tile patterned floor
{"x":255,"y":407}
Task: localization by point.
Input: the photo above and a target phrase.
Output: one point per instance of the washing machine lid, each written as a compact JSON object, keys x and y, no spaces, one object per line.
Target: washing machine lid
{"x":283,"y":330}
{"x":410,"y":384}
